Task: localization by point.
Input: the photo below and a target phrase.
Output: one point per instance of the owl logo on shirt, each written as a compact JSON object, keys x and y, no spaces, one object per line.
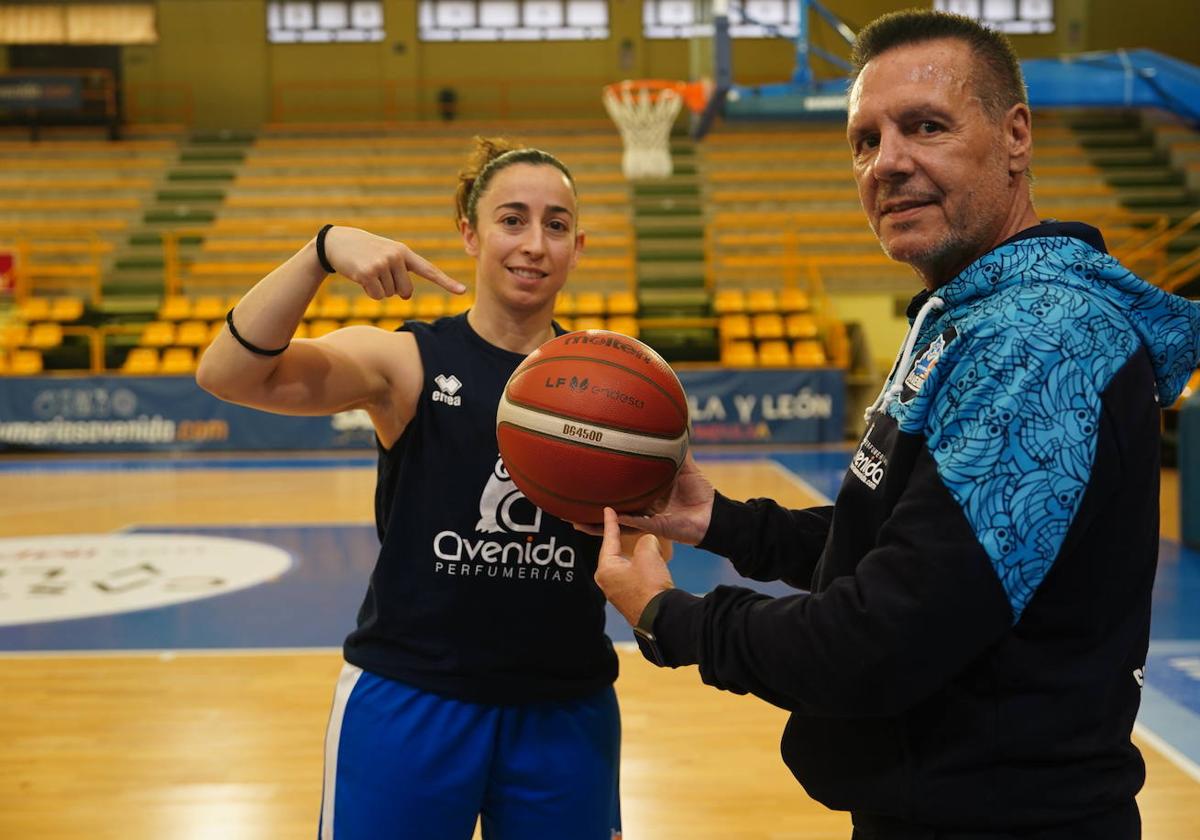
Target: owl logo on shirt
{"x":502,"y":507}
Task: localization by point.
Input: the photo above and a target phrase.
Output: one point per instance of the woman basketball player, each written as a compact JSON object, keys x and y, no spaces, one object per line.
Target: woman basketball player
{"x":478,"y":682}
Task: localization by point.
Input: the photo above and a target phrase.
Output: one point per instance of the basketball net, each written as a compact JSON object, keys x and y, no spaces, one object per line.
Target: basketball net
{"x":644,"y":112}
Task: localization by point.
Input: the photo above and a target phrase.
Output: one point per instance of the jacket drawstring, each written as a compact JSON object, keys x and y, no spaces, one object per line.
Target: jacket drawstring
{"x":904,"y":360}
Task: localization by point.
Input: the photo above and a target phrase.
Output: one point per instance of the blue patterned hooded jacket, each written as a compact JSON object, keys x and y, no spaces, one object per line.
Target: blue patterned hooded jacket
{"x":970,"y":656}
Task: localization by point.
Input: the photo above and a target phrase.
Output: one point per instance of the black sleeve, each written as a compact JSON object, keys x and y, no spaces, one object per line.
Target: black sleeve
{"x":920,"y":606}
{"x":765,"y":541}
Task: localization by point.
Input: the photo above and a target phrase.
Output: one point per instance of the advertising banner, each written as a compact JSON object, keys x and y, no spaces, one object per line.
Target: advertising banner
{"x":166,"y":413}
{"x":41,"y":93}
{"x":766,"y":406}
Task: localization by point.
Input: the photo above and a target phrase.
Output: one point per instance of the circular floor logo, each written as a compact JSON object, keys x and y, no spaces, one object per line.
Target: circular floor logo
{"x":55,"y":578}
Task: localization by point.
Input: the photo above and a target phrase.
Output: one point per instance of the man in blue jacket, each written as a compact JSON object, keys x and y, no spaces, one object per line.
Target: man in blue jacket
{"x":966,"y":661}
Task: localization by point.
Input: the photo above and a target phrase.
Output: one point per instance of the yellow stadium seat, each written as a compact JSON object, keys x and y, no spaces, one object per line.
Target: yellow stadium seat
{"x":589,"y":322}
{"x":175,"y":308}
{"x":457,"y":304}
{"x":390,"y":324}
{"x":774,"y":354}
{"x":301,"y":330}
{"x":208,"y":308}
{"x":801,"y":326}
{"x":25,"y":362}
{"x":589,"y":303}
{"x":808,"y":354}
{"x":624,"y":324}
{"x":739,"y":354}
{"x":398,"y":307}
{"x":358,"y":322}
{"x":622,"y":303}
{"x":566,"y":323}
{"x":34,"y":309}
{"x":66,"y":309}
{"x":44,"y":336}
{"x":564,"y":304}
{"x":192,"y":334}
{"x":158,"y":334}
{"x":734,"y":327}
{"x":767,"y":326}
{"x":313,"y":310}
{"x":13,"y":335}
{"x":429,"y":306}
{"x":141,"y":360}
{"x":729,"y":301}
{"x":794,"y":300}
{"x":214,"y":329}
{"x":322,"y":326}
{"x":177,"y":360}
{"x":3,"y":361}
{"x":365,"y":307}
{"x":762,"y":300}
{"x":333,"y":307}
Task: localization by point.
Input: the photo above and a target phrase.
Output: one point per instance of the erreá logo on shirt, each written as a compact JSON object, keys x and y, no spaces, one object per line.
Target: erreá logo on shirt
{"x":448,"y":387}
{"x":505,"y":512}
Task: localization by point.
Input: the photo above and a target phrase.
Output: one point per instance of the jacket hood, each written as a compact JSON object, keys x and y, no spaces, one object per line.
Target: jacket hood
{"x":1167,"y":325}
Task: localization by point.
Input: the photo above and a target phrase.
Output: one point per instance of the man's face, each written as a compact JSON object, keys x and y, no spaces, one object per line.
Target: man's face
{"x":935,"y":173}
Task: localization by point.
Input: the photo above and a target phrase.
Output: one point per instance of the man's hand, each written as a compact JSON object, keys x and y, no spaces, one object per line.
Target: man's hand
{"x":681,"y":515}
{"x":630,"y":582}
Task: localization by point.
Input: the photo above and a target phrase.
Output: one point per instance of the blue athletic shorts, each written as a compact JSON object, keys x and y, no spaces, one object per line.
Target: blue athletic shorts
{"x":405,"y":764}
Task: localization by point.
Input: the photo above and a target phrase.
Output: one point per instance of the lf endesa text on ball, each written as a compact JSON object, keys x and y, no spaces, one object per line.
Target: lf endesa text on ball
{"x":582,"y":384}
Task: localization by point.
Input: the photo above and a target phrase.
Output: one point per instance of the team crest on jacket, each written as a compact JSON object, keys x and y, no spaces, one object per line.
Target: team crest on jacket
{"x":925,"y":364}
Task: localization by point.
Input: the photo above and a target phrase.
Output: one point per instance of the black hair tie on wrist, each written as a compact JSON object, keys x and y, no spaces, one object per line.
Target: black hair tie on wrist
{"x":324,"y":260}
{"x":252,"y":348}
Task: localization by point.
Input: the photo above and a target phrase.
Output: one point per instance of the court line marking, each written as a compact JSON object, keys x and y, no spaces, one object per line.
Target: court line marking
{"x":801,"y":483}
{"x":1164,"y":748}
{"x":182,"y":653}
{"x":156,"y":464}
{"x":165,"y":653}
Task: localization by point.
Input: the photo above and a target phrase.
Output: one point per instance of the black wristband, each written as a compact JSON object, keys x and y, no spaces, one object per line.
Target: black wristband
{"x":252,"y":348}
{"x":321,"y":258}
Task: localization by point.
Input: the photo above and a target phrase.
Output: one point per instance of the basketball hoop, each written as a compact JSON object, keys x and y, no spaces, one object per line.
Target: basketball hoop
{"x":644,"y":111}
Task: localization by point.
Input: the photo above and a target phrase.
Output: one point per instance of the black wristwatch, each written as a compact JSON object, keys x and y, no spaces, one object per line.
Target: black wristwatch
{"x":644,"y":629}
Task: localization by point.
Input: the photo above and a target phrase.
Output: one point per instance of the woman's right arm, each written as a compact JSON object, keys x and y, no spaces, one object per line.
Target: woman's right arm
{"x":353,"y":367}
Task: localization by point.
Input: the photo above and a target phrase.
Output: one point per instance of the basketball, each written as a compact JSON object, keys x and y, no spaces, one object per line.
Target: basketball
{"x":592,"y":419}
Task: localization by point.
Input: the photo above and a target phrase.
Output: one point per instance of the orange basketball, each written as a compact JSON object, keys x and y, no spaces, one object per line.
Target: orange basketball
{"x":590,"y":419}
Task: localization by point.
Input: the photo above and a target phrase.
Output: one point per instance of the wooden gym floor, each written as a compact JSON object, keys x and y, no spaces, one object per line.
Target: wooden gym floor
{"x":152,"y":723}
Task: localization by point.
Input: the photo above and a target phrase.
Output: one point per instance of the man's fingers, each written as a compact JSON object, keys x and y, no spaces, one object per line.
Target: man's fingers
{"x":612,"y":535}
{"x":648,"y":543}
{"x":645,"y":524}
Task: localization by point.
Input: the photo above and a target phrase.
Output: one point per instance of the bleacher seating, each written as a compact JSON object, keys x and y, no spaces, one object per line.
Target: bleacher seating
{"x":783,"y":232}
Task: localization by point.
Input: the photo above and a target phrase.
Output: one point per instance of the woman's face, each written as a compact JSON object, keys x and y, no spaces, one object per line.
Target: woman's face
{"x":526,"y":238}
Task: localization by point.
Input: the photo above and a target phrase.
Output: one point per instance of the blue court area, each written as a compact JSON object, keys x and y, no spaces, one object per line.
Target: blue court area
{"x":313,"y":603}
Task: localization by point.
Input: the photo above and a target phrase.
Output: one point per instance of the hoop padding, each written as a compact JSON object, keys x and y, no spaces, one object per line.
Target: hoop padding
{"x":644,"y":114}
